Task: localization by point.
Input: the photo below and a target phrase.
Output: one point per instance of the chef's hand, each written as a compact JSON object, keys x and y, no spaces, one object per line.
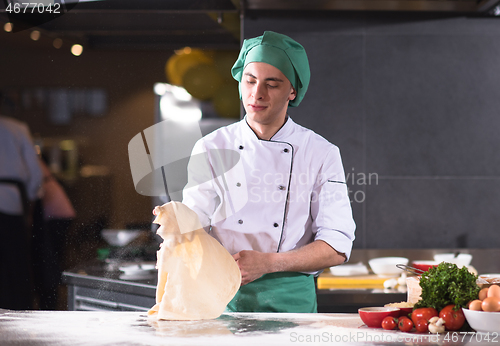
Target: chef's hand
{"x":308,"y":258}
{"x":252,"y":264}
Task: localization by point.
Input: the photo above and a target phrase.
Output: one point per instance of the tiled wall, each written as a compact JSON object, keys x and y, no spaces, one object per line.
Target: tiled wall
{"x":413,"y":102}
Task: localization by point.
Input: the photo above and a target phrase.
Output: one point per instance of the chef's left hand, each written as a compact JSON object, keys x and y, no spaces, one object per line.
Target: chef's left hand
{"x":252,"y":264}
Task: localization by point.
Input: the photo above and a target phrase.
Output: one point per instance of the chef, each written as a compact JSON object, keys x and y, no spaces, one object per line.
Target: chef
{"x":282,"y":210}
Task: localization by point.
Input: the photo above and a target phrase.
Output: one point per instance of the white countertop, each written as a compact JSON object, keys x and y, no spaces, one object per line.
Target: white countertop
{"x":133,"y":328}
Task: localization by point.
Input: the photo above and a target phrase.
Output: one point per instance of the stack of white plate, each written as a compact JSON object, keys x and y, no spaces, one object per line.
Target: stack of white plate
{"x":139,"y":271}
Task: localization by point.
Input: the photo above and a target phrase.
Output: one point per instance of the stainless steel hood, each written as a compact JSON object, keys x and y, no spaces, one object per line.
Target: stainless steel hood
{"x":136,"y":25}
{"x":128,"y":25}
{"x":464,"y":6}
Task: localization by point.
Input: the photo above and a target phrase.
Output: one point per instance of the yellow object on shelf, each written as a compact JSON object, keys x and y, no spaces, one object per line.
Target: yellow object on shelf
{"x":328,"y":281}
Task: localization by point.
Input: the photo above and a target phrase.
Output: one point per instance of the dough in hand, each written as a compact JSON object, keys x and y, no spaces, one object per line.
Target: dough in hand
{"x":197,"y":277}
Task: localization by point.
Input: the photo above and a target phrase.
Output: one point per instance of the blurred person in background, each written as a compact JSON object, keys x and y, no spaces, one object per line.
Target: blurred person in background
{"x":20,"y":183}
{"x":53,"y":215}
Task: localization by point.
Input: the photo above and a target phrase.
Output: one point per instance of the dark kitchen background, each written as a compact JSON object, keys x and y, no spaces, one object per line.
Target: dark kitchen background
{"x":408,"y":90}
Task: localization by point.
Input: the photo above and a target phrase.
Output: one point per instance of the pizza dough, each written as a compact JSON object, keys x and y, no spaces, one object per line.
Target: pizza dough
{"x":197,"y":277}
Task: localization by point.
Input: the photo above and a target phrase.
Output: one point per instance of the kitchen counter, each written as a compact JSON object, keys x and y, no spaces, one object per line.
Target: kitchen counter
{"x":36,"y":328}
{"x":93,"y":287}
{"x":101,"y":286}
{"x":97,"y":285}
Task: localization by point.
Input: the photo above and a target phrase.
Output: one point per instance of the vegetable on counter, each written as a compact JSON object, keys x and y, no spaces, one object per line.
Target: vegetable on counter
{"x":389,"y":323}
{"x":422,"y":326}
{"x":447,"y":284}
{"x":421,"y":318}
{"x":453,"y":318}
{"x":436,"y":325}
{"x":423,"y":314}
{"x":405,"y":324}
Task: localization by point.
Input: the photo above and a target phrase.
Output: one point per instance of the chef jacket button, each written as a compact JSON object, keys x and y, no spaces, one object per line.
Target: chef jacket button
{"x":241,"y":147}
{"x":285,"y":150}
{"x":281,"y":187}
{"x":275,"y":224}
{"x":238,"y":184}
{"x":240,"y":221}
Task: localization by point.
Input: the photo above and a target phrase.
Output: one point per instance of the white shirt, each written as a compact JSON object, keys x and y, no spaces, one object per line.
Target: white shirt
{"x":18,"y":161}
{"x":270,"y":195}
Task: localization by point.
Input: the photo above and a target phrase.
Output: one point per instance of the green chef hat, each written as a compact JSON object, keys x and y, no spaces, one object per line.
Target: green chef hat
{"x":281,"y":52}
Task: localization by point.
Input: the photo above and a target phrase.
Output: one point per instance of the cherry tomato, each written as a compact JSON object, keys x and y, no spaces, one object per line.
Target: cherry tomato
{"x":389,"y":323}
{"x":453,"y":319}
{"x":405,"y":324}
{"x":422,"y":326}
{"x":423,"y":314}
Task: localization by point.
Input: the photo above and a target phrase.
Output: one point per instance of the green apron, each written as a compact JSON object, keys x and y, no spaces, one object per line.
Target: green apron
{"x":276,"y":292}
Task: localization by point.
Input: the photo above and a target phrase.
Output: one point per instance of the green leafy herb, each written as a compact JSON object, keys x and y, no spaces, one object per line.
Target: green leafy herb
{"x":447,"y":284}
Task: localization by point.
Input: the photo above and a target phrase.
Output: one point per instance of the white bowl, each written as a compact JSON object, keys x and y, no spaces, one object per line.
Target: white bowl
{"x":349,"y":270}
{"x":483,"y":321}
{"x":119,"y":237}
{"x":137,"y":268}
{"x":138,"y":271}
{"x":461,"y":260}
{"x":386,"y":266}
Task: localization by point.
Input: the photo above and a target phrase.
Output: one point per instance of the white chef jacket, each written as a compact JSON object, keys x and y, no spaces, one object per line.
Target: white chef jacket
{"x":282,"y":194}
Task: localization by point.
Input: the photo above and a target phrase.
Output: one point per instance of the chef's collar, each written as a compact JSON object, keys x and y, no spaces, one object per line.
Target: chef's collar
{"x":280,"y":135}
{"x":284,"y":131}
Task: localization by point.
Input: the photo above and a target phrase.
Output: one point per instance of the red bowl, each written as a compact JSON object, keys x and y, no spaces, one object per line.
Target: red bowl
{"x":424,"y":265}
{"x":373,"y":316}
